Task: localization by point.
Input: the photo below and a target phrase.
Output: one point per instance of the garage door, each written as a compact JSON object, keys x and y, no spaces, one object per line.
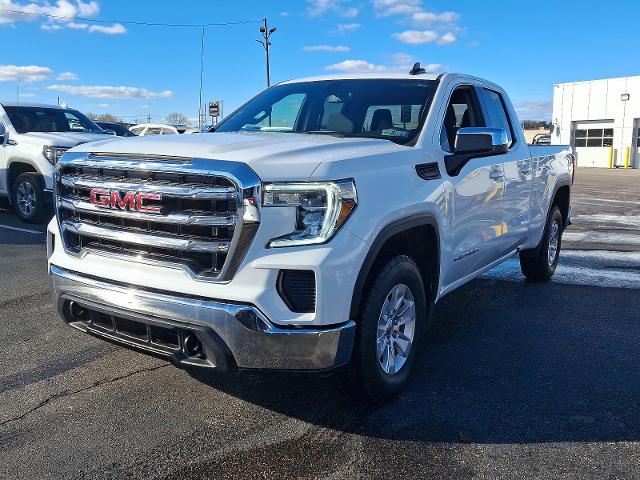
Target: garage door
{"x":592,"y":142}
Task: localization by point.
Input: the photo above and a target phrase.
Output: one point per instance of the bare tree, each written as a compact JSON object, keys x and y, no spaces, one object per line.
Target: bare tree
{"x":107,"y":117}
{"x":91,"y":115}
{"x":177,"y":118}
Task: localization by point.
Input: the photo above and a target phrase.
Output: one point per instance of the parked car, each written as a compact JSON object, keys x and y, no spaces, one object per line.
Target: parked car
{"x":323,"y":245}
{"x":32,"y":139}
{"x":542,"y":139}
{"x":117,"y":129}
{"x":145,"y":129}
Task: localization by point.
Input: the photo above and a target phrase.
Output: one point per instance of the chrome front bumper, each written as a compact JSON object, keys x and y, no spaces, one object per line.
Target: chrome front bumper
{"x":233,"y":335}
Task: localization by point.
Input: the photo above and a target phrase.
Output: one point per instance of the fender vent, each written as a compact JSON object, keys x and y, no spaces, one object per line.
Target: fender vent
{"x":428,"y":171}
{"x":298,"y":290}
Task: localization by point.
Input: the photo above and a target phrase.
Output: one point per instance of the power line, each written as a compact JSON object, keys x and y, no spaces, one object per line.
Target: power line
{"x":131,"y":22}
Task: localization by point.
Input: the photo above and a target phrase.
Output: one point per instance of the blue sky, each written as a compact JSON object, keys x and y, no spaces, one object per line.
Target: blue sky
{"x":133,"y":70}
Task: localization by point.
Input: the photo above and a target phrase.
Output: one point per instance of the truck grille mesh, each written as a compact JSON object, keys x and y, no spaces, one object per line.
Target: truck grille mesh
{"x":195,"y":227}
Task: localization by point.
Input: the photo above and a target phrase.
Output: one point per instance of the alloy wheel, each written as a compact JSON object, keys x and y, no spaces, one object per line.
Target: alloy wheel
{"x":26,"y":199}
{"x":396,"y":329}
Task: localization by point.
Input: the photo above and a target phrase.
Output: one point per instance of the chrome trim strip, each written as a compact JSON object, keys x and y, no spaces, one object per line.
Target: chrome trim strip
{"x":118,"y":235}
{"x":175,"y":218}
{"x":259,"y":344}
{"x":166,"y":189}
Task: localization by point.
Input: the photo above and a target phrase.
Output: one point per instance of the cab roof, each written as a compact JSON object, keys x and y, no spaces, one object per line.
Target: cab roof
{"x":27,"y":104}
{"x":365,"y":76}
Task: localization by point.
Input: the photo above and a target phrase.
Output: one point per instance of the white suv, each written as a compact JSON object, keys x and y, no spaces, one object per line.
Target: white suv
{"x":32,"y":139}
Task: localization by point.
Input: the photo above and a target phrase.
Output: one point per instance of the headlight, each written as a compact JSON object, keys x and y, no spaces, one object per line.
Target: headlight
{"x":52,"y":153}
{"x":321,"y":208}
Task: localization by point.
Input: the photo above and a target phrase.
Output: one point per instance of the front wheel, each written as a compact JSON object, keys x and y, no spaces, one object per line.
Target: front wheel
{"x":28,"y":197}
{"x":540,"y":265}
{"x":390,"y":332}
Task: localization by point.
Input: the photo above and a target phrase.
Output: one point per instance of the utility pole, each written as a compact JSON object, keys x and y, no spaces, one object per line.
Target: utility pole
{"x":200,"y":112}
{"x":148,"y":118}
{"x":266,"y":43}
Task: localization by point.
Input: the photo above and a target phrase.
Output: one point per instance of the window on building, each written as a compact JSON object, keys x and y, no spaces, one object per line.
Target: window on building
{"x":594,"y":137}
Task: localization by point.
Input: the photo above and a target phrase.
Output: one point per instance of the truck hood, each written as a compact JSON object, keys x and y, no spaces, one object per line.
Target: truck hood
{"x":64,"y":139}
{"x":273,"y":156}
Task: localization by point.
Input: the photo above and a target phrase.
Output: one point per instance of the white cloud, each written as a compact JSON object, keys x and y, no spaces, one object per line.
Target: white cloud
{"x":67,"y":76}
{"x":28,"y":94}
{"x":99,"y":91}
{"x":317,"y":8}
{"x":284,"y":14}
{"x":447,"y":39}
{"x":327,"y":48}
{"x":61,"y":8}
{"x":355,"y":66}
{"x":347,"y":27}
{"x":534,"y":109}
{"x":441,"y":25}
{"x":115,"y":29}
{"x":29,"y":73}
{"x":430,"y":18}
{"x":401,"y":62}
{"x":60,"y":15}
{"x":416,"y":37}
{"x":386,"y":8}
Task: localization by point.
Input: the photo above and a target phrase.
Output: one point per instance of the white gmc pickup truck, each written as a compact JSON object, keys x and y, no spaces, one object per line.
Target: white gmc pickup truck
{"x":32,"y":139}
{"x":314,"y":230}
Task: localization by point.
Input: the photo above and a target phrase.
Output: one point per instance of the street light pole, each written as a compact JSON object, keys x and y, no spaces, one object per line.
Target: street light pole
{"x":266,"y":43}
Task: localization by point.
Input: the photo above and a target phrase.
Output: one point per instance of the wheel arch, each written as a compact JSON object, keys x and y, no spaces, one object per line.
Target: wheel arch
{"x":16,"y":168}
{"x":393,"y":239}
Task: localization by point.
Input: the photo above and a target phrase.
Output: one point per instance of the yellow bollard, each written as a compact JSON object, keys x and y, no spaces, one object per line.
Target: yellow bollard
{"x":627,"y":151}
{"x":611,"y":157}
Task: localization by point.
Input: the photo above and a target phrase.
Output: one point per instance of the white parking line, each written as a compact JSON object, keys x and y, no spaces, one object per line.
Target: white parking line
{"x":25,"y":230}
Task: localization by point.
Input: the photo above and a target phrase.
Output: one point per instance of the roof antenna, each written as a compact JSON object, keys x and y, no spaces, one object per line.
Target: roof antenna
{"x":417,"y":69}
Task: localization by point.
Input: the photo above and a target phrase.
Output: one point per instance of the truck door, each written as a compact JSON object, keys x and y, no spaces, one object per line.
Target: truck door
{"x":517,"y":171}
{"x":476,"y":194}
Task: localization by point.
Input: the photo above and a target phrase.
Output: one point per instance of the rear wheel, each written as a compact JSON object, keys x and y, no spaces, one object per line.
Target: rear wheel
{"x":28,"y":197}
{"x":390,"y":332}
{"x":540,"y":265}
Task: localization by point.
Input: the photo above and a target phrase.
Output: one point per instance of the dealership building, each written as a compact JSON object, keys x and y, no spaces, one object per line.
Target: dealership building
{"x":600,"y":119}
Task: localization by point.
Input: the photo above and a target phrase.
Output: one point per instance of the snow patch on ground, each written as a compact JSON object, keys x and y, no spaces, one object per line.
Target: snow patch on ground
{"x":594,"y":268}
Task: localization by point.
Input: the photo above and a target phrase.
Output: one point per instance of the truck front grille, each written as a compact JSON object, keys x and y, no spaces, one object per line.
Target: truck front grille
{"x":194,"y":214}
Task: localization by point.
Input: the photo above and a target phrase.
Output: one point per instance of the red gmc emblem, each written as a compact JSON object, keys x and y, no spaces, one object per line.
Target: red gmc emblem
{"x":131,"y":200}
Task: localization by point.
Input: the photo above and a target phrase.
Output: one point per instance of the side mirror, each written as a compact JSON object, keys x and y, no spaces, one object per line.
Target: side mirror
{"x":482,"y":141}
{"x":475,"y":142}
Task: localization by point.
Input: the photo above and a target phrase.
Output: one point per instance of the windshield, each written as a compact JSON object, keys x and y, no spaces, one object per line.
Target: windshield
{"x":389,"y":109}
{"x":120,"y":130}
{"x":43,"y":119}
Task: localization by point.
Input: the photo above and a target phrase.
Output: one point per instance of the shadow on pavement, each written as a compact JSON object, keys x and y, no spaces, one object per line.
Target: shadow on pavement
{"x":500,"y":367}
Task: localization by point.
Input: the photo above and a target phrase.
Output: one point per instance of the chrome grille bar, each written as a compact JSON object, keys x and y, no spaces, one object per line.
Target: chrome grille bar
{"x":208,"y":214}
{"x":143,"y":239}
{"x":173,"y":218}
{"x":165,"y":188}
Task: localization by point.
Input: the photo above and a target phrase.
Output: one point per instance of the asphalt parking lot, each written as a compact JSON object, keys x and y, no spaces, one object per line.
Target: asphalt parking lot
{"x":520,"y":381}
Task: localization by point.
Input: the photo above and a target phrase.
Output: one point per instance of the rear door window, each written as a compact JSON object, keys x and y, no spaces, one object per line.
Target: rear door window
{"x":497,"y":113}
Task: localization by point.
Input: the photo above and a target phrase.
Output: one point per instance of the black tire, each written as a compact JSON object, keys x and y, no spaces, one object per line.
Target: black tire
{"x":27,"y":197}
{"x":536,"y":265}
{"x":367,"y":380}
